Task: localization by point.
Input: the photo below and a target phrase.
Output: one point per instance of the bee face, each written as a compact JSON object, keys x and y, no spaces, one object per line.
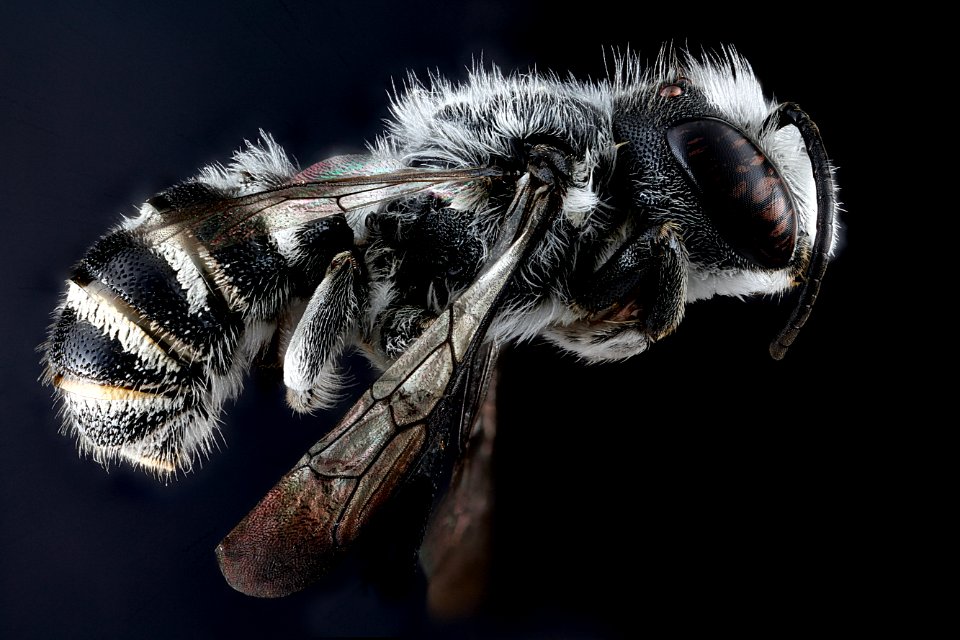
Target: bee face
{"x":716,"y":196}
{"x":688,"y":163}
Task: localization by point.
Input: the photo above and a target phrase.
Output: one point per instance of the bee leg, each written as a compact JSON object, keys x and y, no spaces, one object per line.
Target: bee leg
{"x":309,"y":364}
{"x":645,"y":279}
{"x":399,"y":327}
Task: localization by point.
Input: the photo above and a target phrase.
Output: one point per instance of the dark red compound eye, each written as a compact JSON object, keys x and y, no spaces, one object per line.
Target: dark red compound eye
{"x":742,"y":192}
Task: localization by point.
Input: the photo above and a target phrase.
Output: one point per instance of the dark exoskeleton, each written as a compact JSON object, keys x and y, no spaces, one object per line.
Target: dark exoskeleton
{"x":428,"y":255}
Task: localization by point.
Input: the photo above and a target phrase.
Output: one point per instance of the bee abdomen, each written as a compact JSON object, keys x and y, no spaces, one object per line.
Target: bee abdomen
{"x":123,"y":396}
{"x":142,"y":353}
{"x":153,"y":336}
{"x":89,"y":345}
{"x":158,"y":431}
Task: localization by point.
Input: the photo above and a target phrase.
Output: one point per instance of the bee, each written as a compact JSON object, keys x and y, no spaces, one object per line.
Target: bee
{"x":496,"y":210}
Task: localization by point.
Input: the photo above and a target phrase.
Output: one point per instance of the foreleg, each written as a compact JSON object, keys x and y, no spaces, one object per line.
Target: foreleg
{"x":644,"y":281}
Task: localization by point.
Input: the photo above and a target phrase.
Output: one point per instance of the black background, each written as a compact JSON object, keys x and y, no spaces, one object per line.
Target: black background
{"x":701,"y":483}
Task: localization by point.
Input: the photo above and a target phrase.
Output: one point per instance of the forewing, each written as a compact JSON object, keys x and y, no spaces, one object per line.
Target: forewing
{"x":456,"y":548}
{"x":334,"y":186}
{"x":399,"y":429}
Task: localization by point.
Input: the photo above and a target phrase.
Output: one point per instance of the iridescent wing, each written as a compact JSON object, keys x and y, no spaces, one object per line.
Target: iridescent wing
{"x":458,"y":543}
{"x":334,"y":186}
{"x":406,"y":426}
{"x":138,"y":351}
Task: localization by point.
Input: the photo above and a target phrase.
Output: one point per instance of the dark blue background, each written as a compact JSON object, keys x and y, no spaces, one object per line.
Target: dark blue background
{"x":699,"y":483}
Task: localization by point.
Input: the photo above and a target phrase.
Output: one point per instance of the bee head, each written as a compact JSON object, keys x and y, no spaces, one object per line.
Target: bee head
{"x":746,"y":187}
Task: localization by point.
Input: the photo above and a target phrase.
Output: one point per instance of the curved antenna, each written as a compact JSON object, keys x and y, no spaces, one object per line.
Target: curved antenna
{"x":790,"y":113}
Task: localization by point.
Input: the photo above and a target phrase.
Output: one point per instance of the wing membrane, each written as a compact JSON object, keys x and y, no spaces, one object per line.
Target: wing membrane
{"x":334,"y":186}
{"x":402,"y":427}
{"x":457,"y":545}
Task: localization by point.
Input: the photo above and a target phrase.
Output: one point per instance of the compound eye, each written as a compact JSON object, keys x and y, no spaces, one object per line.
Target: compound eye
{"x":742,"y":192}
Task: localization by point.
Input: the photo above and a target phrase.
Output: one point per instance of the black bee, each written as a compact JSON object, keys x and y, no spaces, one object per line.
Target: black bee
{"x":489,"y":212}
